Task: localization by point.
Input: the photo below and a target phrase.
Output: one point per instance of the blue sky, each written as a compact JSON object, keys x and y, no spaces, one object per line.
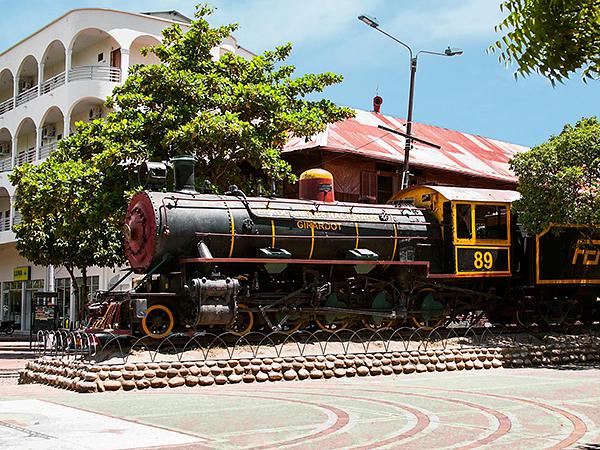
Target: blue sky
{"x":472,"y":93}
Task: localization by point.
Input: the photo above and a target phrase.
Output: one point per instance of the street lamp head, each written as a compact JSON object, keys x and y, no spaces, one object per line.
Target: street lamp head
{"x":453,"y":51}
{"x":371,"y":21}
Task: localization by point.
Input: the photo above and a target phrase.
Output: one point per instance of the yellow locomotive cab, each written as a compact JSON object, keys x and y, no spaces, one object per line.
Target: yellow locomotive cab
{"x":476,"y":223}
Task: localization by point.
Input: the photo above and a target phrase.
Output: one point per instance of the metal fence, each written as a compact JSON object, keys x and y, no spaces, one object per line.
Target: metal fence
{"x":119,"y":349}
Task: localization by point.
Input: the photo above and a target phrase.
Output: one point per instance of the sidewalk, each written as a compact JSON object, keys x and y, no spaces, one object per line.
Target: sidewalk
{"x":14,"y":352}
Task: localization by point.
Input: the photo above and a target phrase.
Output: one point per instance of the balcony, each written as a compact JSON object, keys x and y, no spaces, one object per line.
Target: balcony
{"x":46,"y":149}
{"x":27,"y":95}
{"x":6,"y":106}
{"x":97,"y":73}
{"x":52,"y":83}
{"x":26,"y":156}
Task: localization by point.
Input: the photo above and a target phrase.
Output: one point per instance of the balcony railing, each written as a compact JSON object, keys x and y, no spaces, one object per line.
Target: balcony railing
{"x":5,"y":164}
{"x":6,"y":106}
{"x":100,"y":73}
{"x":27,"y":95}
{"x":26,"y":156}
{"x":53,"y":83}
{"x":5,"y":223}
{"x":46,"y":149}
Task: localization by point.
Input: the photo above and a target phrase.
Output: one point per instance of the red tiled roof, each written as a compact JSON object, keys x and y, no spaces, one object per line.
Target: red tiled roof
{"x":460,"y":152}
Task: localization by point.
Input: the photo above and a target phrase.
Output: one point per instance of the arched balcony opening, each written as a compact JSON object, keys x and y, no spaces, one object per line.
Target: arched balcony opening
{"x":85,"y":110}
{"x":7,"y":84}
{"x":5,"y":205}
{"x":135,"y":51}
{"x":26,"y":142}
{"x":95,"y":55}
{"x":5,"y":150}
{"x":52,"y":131}
{"x":27,"y":80}
{"x":53,"y":67}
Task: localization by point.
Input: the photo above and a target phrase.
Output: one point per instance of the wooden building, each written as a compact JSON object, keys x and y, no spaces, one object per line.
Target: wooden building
{"x":366,"y":161}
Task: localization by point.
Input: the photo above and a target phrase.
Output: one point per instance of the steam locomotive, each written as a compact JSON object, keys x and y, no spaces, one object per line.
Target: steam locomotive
{"x":432,"y":254}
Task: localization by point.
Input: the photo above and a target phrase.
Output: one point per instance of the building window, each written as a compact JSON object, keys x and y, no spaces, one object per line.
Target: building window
{"x":63,"y":287}
{"x":100,"y":57}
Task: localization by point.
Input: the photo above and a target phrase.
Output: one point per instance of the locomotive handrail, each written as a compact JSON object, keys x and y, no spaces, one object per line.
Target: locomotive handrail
{"x":307,"y":236}
{"x":267,"y":200}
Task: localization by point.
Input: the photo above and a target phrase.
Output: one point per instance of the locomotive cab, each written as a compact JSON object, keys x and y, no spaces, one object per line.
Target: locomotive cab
{"x":476,"y":227}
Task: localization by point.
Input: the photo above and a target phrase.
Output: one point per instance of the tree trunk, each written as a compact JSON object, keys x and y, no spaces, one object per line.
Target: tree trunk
{"x":75,"y":287}
{"x":84,"y":294}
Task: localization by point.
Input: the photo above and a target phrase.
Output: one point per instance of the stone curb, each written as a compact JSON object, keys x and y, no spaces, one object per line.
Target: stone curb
{"x":90,"y":377}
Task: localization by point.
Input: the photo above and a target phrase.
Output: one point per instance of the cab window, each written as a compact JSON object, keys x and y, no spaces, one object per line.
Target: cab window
{"x":490,"y":222}
{"x":463,"y":222}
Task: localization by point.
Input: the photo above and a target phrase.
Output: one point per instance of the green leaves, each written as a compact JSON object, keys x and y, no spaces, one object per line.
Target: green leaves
{"x":71,"y":214}
{"x":551,"y":37}
{"x":560,"y":180}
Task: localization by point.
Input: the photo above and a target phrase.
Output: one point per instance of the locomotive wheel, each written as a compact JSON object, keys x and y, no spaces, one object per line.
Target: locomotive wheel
{"x":243,"y":322}
{"x":559,"y":312}
{"x":293,"y":322}
{"x":159,"y":321}
{"x":381,"y":302}
{"x":526,"y":315}
{"x":426,"y":311}
{"x":333,"y":322}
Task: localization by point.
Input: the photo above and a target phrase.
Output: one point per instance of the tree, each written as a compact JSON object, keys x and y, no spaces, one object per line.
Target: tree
{"x":560,"y":180}
{"x":235,"y":115}
{"x":552,"y":37}
{"x":71,"y":216}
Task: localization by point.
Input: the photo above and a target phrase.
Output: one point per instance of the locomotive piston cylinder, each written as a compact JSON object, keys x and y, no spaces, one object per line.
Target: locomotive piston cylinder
{"x":216,"y":300}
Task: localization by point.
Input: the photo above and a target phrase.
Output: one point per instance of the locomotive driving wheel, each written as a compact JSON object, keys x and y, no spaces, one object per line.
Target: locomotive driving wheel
{"x":243,"y":322}
{"x":159,"y":321}
{"x":427,"y":310}
{"x":381,"y":301}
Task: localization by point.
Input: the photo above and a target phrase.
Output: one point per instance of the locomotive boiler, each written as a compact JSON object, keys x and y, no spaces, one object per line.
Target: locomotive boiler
{"x":236,"y":262}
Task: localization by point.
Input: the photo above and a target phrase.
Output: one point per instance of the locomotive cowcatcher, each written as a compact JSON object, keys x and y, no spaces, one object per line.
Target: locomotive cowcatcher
{"x":430,"y":255}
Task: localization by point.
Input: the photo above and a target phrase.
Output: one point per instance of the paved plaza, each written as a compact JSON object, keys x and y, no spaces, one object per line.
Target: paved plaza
{"x":501,"y":408}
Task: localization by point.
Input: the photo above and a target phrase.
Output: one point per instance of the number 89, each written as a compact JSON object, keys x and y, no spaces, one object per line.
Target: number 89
{"x":483,"y":260}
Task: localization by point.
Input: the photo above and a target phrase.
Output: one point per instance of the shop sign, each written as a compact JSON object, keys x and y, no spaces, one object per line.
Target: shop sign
{"x":22,"y":273}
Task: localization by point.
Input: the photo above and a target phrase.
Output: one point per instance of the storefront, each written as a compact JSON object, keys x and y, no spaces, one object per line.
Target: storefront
{"x":17,"y":295}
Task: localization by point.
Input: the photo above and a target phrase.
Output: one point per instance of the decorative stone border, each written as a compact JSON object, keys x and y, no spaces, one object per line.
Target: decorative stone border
{"x":90,"y":377}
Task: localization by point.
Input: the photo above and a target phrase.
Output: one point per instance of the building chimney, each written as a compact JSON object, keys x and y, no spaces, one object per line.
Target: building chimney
{"x":377,"y":102}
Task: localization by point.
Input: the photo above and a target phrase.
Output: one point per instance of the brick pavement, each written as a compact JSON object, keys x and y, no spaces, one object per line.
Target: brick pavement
{"x":505,"y":408}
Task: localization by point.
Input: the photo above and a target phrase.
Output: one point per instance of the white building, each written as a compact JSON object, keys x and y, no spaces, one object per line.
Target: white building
{"x":59,"y":75}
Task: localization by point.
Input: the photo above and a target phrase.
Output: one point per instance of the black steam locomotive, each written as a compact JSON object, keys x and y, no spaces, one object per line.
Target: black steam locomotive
{"x":432,"y":254}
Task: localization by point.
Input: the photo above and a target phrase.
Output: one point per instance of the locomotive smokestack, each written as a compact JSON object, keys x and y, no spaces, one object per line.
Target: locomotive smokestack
{"x":183,"y":173}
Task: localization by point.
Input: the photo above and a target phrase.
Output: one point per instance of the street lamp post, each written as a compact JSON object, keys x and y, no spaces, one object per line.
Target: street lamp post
{"x":413,"y":71}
